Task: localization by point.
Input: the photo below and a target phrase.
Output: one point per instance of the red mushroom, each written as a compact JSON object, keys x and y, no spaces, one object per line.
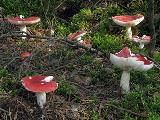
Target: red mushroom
{"x":24,"y":55}
{"x":40,"y":85}
{"x":22,"y":22}
{"x":128,"y":21}
{"x":142,"y":40}
{"x":77,"y":36}
{"x":87,"y":43}
{"x":128,"y":61}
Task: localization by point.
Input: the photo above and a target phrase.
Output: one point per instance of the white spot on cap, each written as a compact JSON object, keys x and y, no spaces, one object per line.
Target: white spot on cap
{"x":48,"y":79}
{"x":21,"y":16}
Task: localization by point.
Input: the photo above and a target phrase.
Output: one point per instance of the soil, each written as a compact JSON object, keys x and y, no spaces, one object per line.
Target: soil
{"x":64,"y":63}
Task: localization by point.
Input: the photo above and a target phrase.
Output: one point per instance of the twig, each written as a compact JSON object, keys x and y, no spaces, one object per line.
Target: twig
{"x":10,"y":62}
{"x":129,"y":111}
{"x":18,"y":34}
{"x":82,"y":46}
{"x":3,"y":110}
{"x":49,"y":39}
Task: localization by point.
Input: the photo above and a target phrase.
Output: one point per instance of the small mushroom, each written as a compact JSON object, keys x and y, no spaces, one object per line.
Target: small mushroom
{"x":40,"y":85}
{"x":22,"y":22}
{"x":24,"y":55}
{"x":87,"y":43}
{"x":77,"y":36}
{"x":142,"y":40}
{"x":128,"y":21}
{"x":128,"y":61}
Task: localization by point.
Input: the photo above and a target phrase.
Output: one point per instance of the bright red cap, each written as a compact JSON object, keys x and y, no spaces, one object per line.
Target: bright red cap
{"x":128,"y":20}
{"x":24,"y":21}
{"x":125,"y":52}
{"x":144,"y":59}
{"x":38,"y":84}
{"x":143,"y":39}
{"x":146,"y":38}
{"x":76,"y":35}
{"x":25,"y":54}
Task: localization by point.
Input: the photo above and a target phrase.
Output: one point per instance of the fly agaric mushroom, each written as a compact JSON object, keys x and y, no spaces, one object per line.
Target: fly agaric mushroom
{"x":40,"y":85}
{"x":22,"y":22}
{"x":128,"y":21}
{"x":128,"y":61}
{"x":142,"y":40}
{"x":87,"y":43}
{"x":24,"y":55}
{"x":77,"y":36}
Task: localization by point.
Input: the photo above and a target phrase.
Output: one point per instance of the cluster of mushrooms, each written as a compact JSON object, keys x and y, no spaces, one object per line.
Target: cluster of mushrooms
{"x":37,"y":84}
{"x":125,"y":59}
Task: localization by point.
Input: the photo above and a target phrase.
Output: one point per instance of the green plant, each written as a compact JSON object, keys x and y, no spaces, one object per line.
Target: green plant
{"x":3,"y":72}
{"x":66,"y":88}
{"x":129,"y":117}
{"x":107,"y":43}
{"x":157,"y":56}
{"x":154,"y":116}
{"x":83,"y":19}
{"x":61,"y":29}
{"x":103,"y":15}
{"x":30,"y":73}
{"x":138,"y":6}
{"x":94,"y":115}
{"x":94,"y":99}
{"x":10,"y":84}
{"x":29,"y":7}
{"x":87,"y":58}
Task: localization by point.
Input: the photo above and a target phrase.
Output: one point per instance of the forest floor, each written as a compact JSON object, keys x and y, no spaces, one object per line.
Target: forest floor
{"x":88,"y":84}
{"x":75,"y":69}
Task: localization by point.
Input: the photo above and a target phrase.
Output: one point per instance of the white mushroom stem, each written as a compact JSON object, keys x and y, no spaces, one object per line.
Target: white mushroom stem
{"x":41,"y":98}
{"x":124,"y":83}
{"x":141,"y":46}
{"x":129,"y":33}
{"x":80,"y":40}
{"x":23,"y":29}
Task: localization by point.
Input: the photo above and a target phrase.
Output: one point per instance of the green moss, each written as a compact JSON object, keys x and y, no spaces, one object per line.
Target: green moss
{"x":138,"y":6}
{"x":66,"y":88}
{"x":3,"y":72}
{"x":61,"y":29}
{"x":94,"y":115}
{"x":107,"y":43}
{"x":157,"y":57}
{"x":103,"y":16}
{"x":87,"y":58}
{"x":83,"y":19}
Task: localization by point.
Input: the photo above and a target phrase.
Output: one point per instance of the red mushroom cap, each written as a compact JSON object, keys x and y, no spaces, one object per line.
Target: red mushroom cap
{"x":144,"y":39}
{"x":125,"y":52}
{"x":24,"y":21}
{"x":38,"y":84}
{"x":143,"y":58}
{"x":25,"y":54}
{"x":128,"y":20}
{"x":87,"y":43}
{"x":76,"y":35}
